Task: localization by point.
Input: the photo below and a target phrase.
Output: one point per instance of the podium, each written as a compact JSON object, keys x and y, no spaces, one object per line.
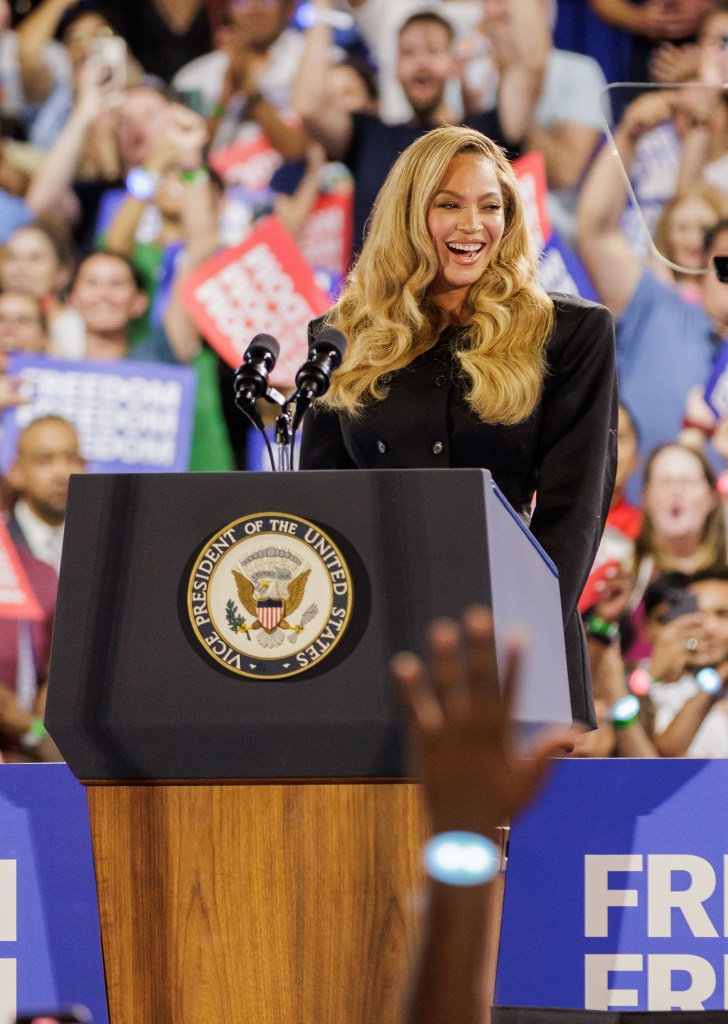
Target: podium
{"x":219,"y":681}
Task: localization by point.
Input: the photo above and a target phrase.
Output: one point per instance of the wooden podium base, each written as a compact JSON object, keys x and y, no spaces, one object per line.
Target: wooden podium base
{"x":258,"y":904}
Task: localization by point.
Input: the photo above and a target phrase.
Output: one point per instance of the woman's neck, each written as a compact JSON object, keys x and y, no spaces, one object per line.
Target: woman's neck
{"x":680,"y":553}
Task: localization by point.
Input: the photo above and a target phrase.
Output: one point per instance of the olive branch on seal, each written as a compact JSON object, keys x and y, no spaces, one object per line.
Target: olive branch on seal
{"x":235,"y":622}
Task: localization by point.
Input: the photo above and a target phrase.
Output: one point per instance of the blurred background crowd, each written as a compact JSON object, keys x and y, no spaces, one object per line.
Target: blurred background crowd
{"x":139,"y":141}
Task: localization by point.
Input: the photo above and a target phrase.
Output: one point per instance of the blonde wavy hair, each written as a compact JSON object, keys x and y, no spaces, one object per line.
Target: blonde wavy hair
{"x":386,"y":315}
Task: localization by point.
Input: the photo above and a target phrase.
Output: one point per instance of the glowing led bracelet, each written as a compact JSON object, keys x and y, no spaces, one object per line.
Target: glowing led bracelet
{"x":141,"y":184}
{"x":640,"y":682}
{"x":709,"y":680}
{"x":602,"y":629}
{"x":307,"y":16}
{"x":461,"y":858}
{"x":625,"y":711}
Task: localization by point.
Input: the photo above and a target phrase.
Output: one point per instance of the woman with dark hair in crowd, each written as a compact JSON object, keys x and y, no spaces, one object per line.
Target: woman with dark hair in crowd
{"x":456,"y":357}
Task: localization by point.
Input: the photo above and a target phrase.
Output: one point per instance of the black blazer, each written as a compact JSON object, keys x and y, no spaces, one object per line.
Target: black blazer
{"x":566,"y":450}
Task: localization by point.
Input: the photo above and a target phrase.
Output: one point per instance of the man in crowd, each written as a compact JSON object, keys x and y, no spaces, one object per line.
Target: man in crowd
{"x":425,"y":63}
{"x":48,"y":453}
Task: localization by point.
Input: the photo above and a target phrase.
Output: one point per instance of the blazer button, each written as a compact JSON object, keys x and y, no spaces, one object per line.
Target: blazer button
{"x":386,"y":378}
{"x":438,"y":448}
{"x":440,"y":381}
{"x":381,"y":447}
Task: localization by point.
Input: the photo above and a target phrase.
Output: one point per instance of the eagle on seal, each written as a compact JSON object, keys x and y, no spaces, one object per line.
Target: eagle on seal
{"x":270,"y":590}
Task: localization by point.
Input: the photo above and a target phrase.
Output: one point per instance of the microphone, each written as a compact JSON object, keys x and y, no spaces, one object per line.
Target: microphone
{"x":314,"y":377}
{"x":251,"y":379}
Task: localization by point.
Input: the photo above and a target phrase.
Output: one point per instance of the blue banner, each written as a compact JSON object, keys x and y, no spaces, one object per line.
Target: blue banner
{"x":616,"y":895}
{"x":132,"y":417}
{"x":50,"y":943}
{"x":716,"y":389}
{"x":561,"y":270}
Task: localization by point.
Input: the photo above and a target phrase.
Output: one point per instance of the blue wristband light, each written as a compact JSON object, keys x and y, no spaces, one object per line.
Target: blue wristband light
{"x":708,"y":680}
{"x":461,"y":858}
{"x":141,"y":184}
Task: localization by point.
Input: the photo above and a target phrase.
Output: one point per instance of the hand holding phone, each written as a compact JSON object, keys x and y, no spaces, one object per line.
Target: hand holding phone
{"x":109,"y":55}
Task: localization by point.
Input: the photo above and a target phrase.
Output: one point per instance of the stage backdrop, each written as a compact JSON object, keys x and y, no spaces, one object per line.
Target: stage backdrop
{"x":616,"y":894}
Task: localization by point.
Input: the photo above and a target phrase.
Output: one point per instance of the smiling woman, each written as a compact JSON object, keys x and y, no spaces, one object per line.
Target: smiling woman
{"x":466,"y":223}
{"x":457,"y":358}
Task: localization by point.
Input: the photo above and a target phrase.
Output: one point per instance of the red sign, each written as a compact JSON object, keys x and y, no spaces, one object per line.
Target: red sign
{"x":263,"y":285}
{"x":249,"y":164}
{"x":17,"y":600}
{"x":531,"y":173}
{"x":327,"y":237}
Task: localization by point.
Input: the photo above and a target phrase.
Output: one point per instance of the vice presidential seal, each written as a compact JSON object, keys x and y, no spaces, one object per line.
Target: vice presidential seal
{"x":270,"y":596}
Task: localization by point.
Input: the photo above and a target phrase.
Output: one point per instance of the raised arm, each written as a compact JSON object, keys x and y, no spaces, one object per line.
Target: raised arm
{"x":57,"y":172}
{"x":702,"y":105}
{"x":328,"y":124}
{"x":473,"y":781}
{"x":33,"y":33}
{"x":567,"y":148}
{"x":611,"y":263}
{"x":26,"y":727}
{"x":525,"y":50}
{"x":675,"y":740}
{"x":242,"y":78}
{"x":293,"y":211}
{"x":187,"y":136}
{"x":652,"y":19}
{"x":610,"y":686}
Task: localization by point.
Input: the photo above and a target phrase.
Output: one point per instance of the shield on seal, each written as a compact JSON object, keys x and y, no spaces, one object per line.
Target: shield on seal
{"x":270,"y":614}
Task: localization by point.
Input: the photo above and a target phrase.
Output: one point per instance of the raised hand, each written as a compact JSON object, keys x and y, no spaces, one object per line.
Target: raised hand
{"x":474,"y":776}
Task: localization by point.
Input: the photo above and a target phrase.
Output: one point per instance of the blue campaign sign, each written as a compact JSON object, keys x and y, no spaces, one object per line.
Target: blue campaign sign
{"x":716,"y":388}
{"x":616,"y":895}
{"x":132,"y":417}
{"x":50,"y":943}
{"x":561,"y":270}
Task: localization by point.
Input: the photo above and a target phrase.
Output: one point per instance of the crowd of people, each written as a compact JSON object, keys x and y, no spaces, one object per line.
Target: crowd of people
{"x":123,"y":149}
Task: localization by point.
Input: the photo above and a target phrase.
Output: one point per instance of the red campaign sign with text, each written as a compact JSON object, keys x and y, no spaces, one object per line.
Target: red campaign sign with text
{"x":328,"y":234}
{"x":249,"y":164}
{"x":17,"y":600}
{"x":531,"y":173}
{"x":263,"y":285}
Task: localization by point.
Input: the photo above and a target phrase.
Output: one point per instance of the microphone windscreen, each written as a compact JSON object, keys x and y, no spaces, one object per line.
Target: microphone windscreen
{"x":261,"y":345}
{"x":331,"y":341}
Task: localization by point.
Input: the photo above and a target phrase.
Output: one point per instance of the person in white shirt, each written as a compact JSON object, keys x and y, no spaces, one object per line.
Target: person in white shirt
{"x":244,"y":86}
{"x":48,"y":453}
{"x":35,"y":83}
{"x":689,"y":669}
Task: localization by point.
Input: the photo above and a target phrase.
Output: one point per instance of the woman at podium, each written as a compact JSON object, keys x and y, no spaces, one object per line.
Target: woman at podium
{"x":457,"y":357}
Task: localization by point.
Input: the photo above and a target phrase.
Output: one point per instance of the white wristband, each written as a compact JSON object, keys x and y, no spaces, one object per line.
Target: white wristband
{"x":308,"y":16}
{"x":709,"y":681}
{"x":461,"y":858}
